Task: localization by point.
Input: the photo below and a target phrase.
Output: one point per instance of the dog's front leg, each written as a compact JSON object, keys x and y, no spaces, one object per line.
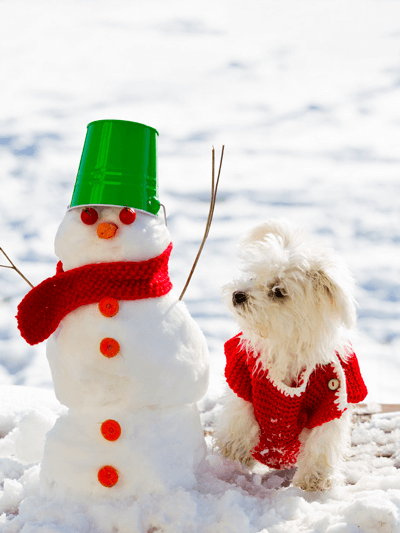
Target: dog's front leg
{"x":320,"y":462}
{"x":237,"y":431}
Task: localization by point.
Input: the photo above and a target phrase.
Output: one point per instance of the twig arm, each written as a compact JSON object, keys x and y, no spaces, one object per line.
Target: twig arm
{"x":14,"y":267}
{"x":214,"y":188}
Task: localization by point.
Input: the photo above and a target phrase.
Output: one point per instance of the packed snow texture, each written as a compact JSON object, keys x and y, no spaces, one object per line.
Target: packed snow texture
{"x":77,"y":244}
{"x":305,"y":97}
{"x":226,"y":499}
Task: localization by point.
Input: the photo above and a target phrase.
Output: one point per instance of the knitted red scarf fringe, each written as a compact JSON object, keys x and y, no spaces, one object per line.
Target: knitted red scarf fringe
{"x":43,"y":308}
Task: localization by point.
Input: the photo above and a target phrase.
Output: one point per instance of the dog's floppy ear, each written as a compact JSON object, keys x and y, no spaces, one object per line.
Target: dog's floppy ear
{"x":338,"y":287}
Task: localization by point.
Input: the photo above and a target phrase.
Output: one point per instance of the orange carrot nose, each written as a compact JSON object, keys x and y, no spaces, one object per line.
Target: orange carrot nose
{"x":106,"y":230}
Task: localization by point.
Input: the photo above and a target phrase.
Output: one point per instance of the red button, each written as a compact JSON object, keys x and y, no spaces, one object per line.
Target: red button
{"x":108,"y":476}
{"x":109,"y":347}
{"x":111,"y":430}
{"x":108,"y":306}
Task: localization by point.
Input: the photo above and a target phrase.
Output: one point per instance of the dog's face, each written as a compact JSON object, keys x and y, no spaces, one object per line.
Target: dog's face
{"x":292,"y":290}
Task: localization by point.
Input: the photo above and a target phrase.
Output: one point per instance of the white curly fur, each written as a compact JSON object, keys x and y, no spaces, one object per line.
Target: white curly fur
{"x":298,"y":310}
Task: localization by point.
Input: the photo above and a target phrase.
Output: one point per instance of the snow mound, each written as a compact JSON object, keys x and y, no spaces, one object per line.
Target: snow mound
{"x":226,"y":498}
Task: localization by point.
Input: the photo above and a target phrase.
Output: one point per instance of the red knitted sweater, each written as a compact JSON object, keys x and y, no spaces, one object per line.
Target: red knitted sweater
{"x":43,"y":308}
{"x":282,"y":412}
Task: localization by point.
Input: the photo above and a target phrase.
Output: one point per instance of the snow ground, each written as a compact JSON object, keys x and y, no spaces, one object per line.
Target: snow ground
{"x":225,"y":500}
{"x":305,"y":97}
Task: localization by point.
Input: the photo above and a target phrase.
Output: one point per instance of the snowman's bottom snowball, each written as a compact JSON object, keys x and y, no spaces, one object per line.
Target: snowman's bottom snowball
{"x":158,"y":449}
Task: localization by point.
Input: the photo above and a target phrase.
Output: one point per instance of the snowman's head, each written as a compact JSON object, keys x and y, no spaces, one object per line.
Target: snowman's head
{"x":99,"y":234}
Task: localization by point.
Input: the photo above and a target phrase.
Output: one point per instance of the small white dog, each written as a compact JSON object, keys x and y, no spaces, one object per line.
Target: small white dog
{"x":291,"y":371}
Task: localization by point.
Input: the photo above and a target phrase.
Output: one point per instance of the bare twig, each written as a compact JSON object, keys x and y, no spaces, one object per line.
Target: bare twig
{"x":214,"y":188}
{"x":14,"y":267}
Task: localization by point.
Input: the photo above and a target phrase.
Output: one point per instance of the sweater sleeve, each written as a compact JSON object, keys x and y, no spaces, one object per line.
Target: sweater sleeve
{"x":320,"y":403}
{"x":356,"y":388}
{"x":236,"y":371}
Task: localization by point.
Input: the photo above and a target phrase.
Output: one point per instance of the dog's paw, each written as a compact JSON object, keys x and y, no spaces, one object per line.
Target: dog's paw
{"x":248,"y":461}
{"x":230,"y":450}
{"x":314,"y":481}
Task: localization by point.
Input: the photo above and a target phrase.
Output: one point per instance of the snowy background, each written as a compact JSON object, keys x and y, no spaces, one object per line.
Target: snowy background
{"x":305,"y":96}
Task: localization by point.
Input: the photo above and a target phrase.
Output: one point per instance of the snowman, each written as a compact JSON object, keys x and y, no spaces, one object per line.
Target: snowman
{"x":126,"y":357}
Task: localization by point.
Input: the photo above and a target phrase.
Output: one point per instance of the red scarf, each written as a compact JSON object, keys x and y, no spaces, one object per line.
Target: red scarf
{"x":43,"y":308}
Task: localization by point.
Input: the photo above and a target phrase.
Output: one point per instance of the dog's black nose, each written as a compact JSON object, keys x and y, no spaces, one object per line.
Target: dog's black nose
{"x":239,"y":297}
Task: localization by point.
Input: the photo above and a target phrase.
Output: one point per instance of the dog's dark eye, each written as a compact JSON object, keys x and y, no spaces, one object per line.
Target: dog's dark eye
{"x":278,"y":292}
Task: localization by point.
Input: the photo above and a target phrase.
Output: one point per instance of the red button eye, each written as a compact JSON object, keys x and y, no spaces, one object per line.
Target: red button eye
{"x":127,"y":216}
{"x":89,"y":216}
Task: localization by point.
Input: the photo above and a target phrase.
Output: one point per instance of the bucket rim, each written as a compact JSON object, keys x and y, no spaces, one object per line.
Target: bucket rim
{"x":120,"y":120}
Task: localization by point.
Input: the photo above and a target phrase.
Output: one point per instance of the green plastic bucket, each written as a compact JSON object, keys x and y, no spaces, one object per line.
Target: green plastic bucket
{"x":118,"y":166}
